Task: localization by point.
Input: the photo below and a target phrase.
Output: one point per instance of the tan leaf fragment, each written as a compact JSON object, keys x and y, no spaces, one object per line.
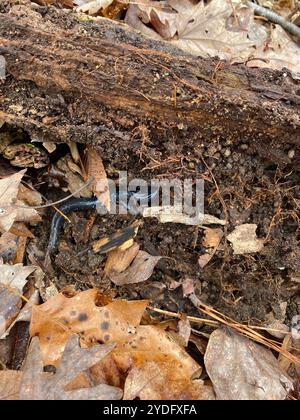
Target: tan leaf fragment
{"x":49,"y":146}
{"x":139,"y":348}
{"x":244,"y":239}
{"x":119,"y":260}
{"x":140,"y":270}
{"x":240,"y":369}
{"x":15,"y":276}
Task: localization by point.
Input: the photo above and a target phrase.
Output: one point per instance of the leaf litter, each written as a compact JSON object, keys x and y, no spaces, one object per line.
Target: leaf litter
{"x":141,"y":350}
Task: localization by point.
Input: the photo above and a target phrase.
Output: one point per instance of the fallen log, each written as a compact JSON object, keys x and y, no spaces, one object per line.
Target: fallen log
{"x":102,"y":83}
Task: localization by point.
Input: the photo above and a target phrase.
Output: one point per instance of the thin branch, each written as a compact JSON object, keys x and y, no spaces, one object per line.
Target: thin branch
{"x":55,"y":202}
{"x":275,"y":18}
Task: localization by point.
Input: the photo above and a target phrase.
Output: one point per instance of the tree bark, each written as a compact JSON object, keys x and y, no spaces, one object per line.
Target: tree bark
{"x":102,"y":83}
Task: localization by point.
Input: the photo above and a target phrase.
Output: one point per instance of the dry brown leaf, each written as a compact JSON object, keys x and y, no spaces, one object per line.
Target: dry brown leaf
{"x":74,"y":151}
{"x":163,"y":19}
{"x":94,"y":168}
{"x":204,"y":259}
{"x":212,"y":237}
{"x":240,"y":369}
{"x":25,"y":312}
{"x":8,"y":246}
{"x":12,"y":280}
{"x":244,"y":239}
{"x":132,"y":19}
{"x":140,"y":270}
{"x":15,"y":276}
{"x":92,"y":6}
{"x":10,"y":381}
{"x":205,"y":30}
{"x":9,"y":188}
{"x":152,"y":383}
{"x":20,"y":229}
{"x":281,"y":51}
{"x":35,"y":385}
{"x":29,"y":196}
{"x":49,"y":146}
{"x":139,"y":348}
{"x":82,"y":315}
{"x":119,"y":260}
{"x":10,"y":306}
{"x":224,"y":29}
{"x":173,"y":214}
{"x":73,"y":176}
{"x":187,"y":286}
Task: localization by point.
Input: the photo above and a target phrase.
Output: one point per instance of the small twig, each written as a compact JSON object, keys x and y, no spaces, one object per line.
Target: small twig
{"x":58,"y":201}
{"x":190,"y":318}
{"x":245,"y":330}
{"x":275,"y":18}
{"x":55,"y":208}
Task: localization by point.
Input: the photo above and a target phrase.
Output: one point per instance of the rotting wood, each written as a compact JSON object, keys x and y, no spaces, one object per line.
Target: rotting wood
{"x":95,"y":82}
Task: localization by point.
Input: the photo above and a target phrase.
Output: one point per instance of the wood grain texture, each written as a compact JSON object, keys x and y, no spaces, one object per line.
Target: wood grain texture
{"x":97,"y":82}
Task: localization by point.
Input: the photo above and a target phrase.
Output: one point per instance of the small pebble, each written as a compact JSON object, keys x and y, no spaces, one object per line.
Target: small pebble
{"x":291,"y":153}
{"x":227,"y":152}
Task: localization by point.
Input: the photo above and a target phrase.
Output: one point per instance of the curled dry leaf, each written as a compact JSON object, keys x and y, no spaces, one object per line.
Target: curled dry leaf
{"x":9,"y":188}
{"x":145,"y":356}
{"x":162,"y":18}
{"x":74,"y":151}
{"x":119,"y":260}
{"x":94,"y":168}
{"x":244,"y":239}
{"x":243,"y":370}
{"x":140,"y":270}
{"x":36,"y":385}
